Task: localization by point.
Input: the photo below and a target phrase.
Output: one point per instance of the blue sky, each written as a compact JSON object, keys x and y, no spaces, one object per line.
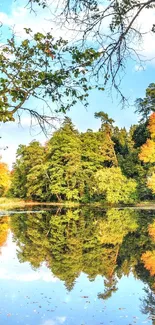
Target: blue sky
{"x":14,"y":13}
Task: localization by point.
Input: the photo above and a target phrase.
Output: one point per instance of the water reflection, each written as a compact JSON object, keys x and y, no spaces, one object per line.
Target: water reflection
{"x":74,"y":241}
{"x":111,"y":244}
{"x":4,"y":229}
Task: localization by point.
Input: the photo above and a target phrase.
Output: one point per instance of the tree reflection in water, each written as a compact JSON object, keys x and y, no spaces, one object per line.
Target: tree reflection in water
{"x":110,"y":243}
{"x":4,"y":230}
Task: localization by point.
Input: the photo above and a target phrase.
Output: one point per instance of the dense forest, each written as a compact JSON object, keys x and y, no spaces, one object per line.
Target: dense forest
{"x":111,"y":165}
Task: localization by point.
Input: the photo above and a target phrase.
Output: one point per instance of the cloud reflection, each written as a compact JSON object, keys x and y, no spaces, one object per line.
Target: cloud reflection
{"x":46,"y":276}
{"x":17,"y":271}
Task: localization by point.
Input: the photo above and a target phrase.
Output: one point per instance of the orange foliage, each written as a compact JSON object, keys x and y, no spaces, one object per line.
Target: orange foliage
{"x":151,"y":125}
{"x":48,"y":51}
{"x":148,"y":259}
{"x":151,"y":183}
{"x":151,"y":230}
{"x":4,"y":228}
{"x":147,"y":153}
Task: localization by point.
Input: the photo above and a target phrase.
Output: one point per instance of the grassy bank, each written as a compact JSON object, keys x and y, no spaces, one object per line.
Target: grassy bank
{"x":10,"y":203}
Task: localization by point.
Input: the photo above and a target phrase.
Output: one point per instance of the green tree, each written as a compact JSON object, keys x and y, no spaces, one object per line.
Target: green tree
{"x":120,"y":139}
{"x":28,"y":176}
{"x":97,"y":150}
{"x":146,"y":105}
{"x":64,"y":163}
{"x":104,"y":137}
{"x":114,"y":186}
{"x":127,"y":147}
{"x":116,"y":225}
{"x":140,"y":134}
{"x":148,"y":304}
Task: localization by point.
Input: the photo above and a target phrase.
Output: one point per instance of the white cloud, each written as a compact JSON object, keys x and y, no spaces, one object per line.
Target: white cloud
{"x":27,"y":277}
{"x":61,"y":319}
{"x":146,"y":48}
{"x":5,"y":19}
{"x":49,"y":322}
{"x":20,"y":17}
{"x":9,"y":155}
{"x":56,"y":321}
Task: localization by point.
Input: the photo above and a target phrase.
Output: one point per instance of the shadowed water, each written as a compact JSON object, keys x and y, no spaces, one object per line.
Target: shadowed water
{"x":77,"y":267}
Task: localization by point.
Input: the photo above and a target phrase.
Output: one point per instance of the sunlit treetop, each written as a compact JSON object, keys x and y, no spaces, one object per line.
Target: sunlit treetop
{"x":148,"y":259}
{"x":147,"y":153}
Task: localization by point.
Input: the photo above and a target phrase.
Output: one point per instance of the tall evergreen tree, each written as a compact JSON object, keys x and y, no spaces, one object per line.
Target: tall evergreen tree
{"x":64,"y":163}
{"x":106,"y":145}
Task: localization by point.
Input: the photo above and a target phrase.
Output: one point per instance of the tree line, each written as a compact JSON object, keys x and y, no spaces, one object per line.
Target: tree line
{"x":111,"y":165}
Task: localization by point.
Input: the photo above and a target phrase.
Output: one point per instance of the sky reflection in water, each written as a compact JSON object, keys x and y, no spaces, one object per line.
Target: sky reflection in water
{"x":76,"y":241}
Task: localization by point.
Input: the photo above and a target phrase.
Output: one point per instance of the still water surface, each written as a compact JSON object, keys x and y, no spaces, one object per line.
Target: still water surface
{"x":77,"y":267}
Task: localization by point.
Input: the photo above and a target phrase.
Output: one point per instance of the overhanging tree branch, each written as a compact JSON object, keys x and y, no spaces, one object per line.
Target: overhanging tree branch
{"x":111,"y":26}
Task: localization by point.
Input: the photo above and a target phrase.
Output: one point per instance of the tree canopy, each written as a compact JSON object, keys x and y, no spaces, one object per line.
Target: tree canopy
{"x":58,"y":73}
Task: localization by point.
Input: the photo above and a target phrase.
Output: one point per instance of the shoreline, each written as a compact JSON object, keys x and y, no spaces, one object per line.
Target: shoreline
{"x":9,"y":203}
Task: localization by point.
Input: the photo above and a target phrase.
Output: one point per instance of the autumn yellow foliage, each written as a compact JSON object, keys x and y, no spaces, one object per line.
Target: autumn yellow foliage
{"x":151,"y":230}
{"x":147,"y":153}
{"x":4,"y":229}
{"x":151,"y":125}
{"x":4,"y":178}
{"x":148,"y":259}
{"x":151,"y":183}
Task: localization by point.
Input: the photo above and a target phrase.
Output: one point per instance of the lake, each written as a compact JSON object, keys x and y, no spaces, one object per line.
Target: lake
{"x":77,"y":267}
